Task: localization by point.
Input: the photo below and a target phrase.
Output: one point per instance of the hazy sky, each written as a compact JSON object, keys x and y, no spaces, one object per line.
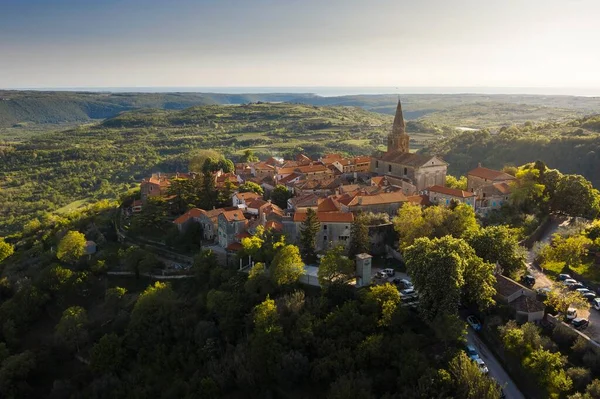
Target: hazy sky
{"x":110,"y":43}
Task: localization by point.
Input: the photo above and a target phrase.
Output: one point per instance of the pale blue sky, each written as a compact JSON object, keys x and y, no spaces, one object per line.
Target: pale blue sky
{"x":110,"y":43}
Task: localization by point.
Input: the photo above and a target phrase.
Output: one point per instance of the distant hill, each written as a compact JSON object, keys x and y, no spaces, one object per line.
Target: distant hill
{"x":471,"y":110}
{"x":572,"y":147}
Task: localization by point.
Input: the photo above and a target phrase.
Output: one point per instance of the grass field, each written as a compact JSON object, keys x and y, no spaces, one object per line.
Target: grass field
{"x":73,"y":206}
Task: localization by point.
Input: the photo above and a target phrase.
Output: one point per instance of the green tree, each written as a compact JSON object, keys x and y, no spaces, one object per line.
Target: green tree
{"x":308,"y":236}
{"x":71,"y":247}
{"x":443,"y":270}
{"x":360,"y":242}
{"x":107,"y":355}
{"x":453,"y":182}
{"x":251,"y":187}
{"x":153,"y":216}
{"x":249,"y":156}
{"x":527,"y":192}
{"x":13,"y":374}
{"x":547,"y":367}
{"x":499,"y":244}
{"x":575,"y":196}
{"x":387,"y":298}
{"x":561,"y":299}
{"x":71,"y":330}
{"x":469,"y":382}
{"x":197,"y":158}
{"x":287,"y":266}
{"x":410,"y":225}
{"x":280,"y":196}
{"x":335,"y":266}
{"x":6,"y":249}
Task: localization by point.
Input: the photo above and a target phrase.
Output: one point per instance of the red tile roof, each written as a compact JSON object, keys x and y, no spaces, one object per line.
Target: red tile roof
{"x":302,"y":158}
{"x":328,"y":205}
{"x":288,"y":178}
{"x":234,"y":246}
{"x":256,"y":203}
{"x":378,"y":199}
{"x":312,"y":168}
{"x":327,"y":217}
{"x":419,"y":199}
{"x":330,"y":158}
{"x":363,"y":159}
{"x":454,"y":192}
{"x":192,"y":213}
{"x":233,"y":215}
{"x":274,"y":225}
{"x":247,"y":196}
{"x":490,"y":174}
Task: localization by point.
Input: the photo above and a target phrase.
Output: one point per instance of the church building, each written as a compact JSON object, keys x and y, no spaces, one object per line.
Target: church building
{"x":413,"y":172}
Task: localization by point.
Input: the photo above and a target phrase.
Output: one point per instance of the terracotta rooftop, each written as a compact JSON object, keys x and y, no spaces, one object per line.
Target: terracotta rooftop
{"x":327,"y":217}
{"x":378,"y":199}
{"x":328,"y":205}
{"x":363,"y":159}
{"x":256,"y":203}
{"x":192,"y":213}
{"x":506,"y":287}
{"x":263,"y":166}
{"x":454,"y":192}
{"x":378,"y":180}
{"x":345,"y":162}
{"x":242,"y":235}
{"x":233,"y":215}
{"x":286,"y":170}
{"x":330,"y":158}
{"x":302,"y":158}
{"x":490,"y":174}
{"x":247,"y":196}
{"x":419,"y":200}
{"x":526,"y":304}
{"x":288,"y":178}
{"x":307,"y":200}
{"x":234,"y":246}
{"x":273,"y":225}
{"x":312,"y":168}
{"x":501,"y":188}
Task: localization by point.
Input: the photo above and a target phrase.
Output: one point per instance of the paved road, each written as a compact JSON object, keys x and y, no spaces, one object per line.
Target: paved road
{"x":541,"y":280}
{"x":496,"y":371}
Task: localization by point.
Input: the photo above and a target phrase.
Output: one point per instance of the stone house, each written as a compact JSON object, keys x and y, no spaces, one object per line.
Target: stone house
{"x":492,"y":197}
{"x":238,"y":199}
{"x":520,"y":298}
{"x":231,"y":222}
{"x":480,"y":177}
{"x":445,"y":196}
{"x":377,"y":203}
{"x":335,"y":228}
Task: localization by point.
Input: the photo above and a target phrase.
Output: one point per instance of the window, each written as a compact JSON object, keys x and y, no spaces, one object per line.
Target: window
{"x":377,"y":164}
{"x":324,"y":227}
{"x":347,"y":227}
{"x":389,"y":168}
{"x":405,"y":171}
{"x":324,"y":238}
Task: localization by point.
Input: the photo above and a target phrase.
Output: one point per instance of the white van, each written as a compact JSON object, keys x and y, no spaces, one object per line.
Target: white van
{"x":571,"y":313}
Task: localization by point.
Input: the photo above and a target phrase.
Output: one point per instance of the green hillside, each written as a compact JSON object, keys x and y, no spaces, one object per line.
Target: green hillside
{"x":24,"y":109}
{"x":53,"y":170}
{"x":572,"y":147}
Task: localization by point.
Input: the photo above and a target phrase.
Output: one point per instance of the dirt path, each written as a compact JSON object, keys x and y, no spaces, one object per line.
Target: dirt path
{"x":541,"y":280}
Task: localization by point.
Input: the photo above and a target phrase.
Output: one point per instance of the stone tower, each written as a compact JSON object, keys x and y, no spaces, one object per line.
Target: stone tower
{"x":398,"y":139}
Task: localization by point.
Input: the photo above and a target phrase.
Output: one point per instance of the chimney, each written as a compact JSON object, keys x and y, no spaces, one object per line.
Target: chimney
{"x":479,"y":164}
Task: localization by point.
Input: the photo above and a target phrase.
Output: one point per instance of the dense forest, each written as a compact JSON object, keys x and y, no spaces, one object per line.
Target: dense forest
{"x":572,"y":147}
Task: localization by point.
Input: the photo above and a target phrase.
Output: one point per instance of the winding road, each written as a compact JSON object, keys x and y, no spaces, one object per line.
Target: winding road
{"x":496,"y":370}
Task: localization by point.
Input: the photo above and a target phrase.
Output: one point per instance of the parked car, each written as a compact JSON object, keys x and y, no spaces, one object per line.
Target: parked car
{"x":569,"y":282}
{"x":543,"y":292}
{"x":382,"y":274}
{"x":580,"y":323}
{"x":563,"y":277}
{"x":583,"y":291}
{"x":571,"y":313}
{"x":474,"y":322}
{"x":596,"y":303}
{"x":472,"y":352}
{"x":408,"y":292}
{"x":481,"y":364}
{"x":529,"y":280}
{"x":590,"y":296}
{"x":405,"y":283}
{"x":390,"y":272}
{"x":576,"y":286}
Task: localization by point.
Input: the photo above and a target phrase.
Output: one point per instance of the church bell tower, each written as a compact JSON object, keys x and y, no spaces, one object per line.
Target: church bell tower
{"x":398,"y":139}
